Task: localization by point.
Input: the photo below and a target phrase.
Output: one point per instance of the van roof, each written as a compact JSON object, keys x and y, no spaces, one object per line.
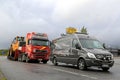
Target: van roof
{"x":79,"y":35}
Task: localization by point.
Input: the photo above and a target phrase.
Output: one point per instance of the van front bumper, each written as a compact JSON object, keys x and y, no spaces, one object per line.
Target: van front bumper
{"x":99,"y":63}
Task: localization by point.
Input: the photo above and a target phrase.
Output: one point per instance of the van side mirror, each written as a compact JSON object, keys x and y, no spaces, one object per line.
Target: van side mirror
{"x":78,"y":46}
{"x":104,"y":45}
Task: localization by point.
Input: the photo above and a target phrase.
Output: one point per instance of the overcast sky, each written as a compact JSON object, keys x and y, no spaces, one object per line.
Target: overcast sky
{"x":100,"y":17}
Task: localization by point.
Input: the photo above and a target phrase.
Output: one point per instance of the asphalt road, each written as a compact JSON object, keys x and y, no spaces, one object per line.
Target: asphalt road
{"x":14,"y":70}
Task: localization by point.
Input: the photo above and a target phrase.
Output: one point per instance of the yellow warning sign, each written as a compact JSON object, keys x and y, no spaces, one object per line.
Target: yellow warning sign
{"x":71,"y":30}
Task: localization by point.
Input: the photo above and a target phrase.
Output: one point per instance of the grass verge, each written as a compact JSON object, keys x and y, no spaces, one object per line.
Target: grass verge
{"x":2,"y":77}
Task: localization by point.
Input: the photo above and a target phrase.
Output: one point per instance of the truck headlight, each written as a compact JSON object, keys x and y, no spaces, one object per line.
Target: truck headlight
{"x":91,"y":55}
{"x":20,"y":48}
{"x":34,"y":50}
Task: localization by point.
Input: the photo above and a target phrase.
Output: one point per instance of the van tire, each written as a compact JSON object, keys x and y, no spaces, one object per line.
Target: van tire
{"x":81,"y":64}
{"x":55,"y":61}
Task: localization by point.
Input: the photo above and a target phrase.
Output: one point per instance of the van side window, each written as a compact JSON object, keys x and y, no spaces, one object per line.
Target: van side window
{"x":63,"y":43}
{"x":74,"y":42}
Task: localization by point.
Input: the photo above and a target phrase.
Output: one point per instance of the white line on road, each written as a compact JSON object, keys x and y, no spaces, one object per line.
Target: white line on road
{"x":75,"y":73}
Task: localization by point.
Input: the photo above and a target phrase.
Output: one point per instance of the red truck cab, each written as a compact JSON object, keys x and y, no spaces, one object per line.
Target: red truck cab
{"x":37,"y":47}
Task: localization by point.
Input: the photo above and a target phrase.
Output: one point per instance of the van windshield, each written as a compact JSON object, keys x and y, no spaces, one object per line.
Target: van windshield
{"x":90,"y":43}
{"x":38,"y":42}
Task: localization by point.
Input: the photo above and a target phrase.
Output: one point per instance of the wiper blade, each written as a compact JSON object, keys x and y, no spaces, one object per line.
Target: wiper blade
{"x":90,"y":48}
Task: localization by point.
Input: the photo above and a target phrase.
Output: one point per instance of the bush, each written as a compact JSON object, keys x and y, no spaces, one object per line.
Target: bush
{"x":3,"y":52}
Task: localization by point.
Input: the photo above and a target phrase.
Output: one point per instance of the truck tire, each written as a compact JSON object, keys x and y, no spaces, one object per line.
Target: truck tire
{"x":20,"y":57}
{"x":27,"y":59}
{"x":44,"y":61}
{"x":23,"y":58}
{"x":81,"y":64}
{"x":8,"y":56}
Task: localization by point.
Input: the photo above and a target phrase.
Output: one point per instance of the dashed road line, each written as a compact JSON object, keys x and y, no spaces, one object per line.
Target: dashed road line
{"x":76,"y":73}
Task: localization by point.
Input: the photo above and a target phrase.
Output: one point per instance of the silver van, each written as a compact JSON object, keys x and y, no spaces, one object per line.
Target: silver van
{"x":81,"y":50}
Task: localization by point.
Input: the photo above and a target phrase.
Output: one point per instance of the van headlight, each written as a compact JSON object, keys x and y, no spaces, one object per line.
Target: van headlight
{"x":112,"y":56}
{"x":91,"y":55}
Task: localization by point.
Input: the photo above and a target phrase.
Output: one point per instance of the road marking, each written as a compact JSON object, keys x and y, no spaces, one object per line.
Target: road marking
{"x":75,"y":73}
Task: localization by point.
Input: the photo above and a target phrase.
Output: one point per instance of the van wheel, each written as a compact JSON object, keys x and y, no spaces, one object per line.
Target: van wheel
{"x":105,"y":69}
{"x":55,"y":61}
{"x":81,"y":64}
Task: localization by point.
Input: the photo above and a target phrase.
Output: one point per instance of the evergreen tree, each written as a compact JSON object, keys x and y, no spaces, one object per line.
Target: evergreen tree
{"x":84,"y":30}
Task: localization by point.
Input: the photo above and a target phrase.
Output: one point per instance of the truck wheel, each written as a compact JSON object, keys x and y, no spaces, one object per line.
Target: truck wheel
{"x":55,"y":61}
{"x":20,"y":57}
{"x":8,"y":56}
{"x":105,"y":69}
{"x":27,"y":59}
{"x":81,"y":64}
{"x":37,"y":61}
{"x":44,"y":61}
{"x":23,"y":58}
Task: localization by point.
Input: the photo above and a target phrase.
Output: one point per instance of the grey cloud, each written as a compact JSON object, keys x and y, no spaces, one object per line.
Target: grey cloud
{"x":101,"y":17}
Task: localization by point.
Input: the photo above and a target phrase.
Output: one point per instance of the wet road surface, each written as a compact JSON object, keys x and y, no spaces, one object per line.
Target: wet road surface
{"x":14,"y":70}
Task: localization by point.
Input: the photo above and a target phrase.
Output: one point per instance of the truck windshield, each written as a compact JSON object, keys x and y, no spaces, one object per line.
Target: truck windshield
{"x":91,"y":43}
{"x":38,"y":42}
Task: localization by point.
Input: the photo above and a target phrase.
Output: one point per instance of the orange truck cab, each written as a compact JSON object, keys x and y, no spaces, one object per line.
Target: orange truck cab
{"x":37,"y":48}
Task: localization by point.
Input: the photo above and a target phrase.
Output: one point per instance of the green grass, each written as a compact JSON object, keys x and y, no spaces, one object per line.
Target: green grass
{"x":2,"y":77}
{"x":3,"y":52}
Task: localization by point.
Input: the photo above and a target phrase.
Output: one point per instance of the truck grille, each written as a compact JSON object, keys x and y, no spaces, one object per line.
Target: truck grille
{"x":41,"y":51}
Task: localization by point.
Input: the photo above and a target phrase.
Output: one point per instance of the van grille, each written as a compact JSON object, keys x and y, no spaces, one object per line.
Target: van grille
{"x":104,"y":57}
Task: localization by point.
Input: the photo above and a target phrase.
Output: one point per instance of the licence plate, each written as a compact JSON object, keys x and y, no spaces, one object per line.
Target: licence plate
{"x":105,"y":65}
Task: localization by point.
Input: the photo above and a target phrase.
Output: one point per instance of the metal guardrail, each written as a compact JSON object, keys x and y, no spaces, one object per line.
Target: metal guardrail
{"x":115,"y":52}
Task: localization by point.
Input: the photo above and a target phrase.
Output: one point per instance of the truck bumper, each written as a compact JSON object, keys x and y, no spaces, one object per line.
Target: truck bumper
{"x":43,"y":57}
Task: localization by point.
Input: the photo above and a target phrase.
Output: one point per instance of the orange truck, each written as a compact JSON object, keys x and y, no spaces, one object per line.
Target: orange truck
{"x":17,"y":47}
{"x":36,"y":48}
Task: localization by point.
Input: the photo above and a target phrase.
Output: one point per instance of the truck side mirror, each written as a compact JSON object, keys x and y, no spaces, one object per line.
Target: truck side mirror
{"x":29,"y":42}
{"x":52,"y":45}
{"x":78,"y":46}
